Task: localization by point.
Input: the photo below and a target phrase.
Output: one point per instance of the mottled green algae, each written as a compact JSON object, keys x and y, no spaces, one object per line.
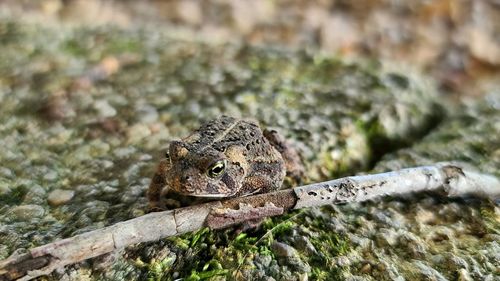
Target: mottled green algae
{"x":89,"y":110}
{"x":429,"y":237}
{"x":470,"y":135}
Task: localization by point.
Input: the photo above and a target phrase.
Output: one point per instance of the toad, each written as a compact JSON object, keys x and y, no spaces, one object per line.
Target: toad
{"x":226,"y":157}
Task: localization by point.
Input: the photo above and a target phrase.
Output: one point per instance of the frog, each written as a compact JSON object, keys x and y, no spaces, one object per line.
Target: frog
{"x":225,"y":157}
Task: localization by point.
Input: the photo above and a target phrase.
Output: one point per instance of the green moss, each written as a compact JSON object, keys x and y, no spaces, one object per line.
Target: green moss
{"x":210,"y":269}
{"x":74,"y":47}
{"x":490,"y":218}
{"x":13,"y":197}
{"x":329,"y":246}
{"x":237,"y":252}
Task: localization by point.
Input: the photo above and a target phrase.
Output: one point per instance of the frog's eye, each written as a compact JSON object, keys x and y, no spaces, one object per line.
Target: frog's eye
{"x":167,"y":155}
{"x":217,"y":169}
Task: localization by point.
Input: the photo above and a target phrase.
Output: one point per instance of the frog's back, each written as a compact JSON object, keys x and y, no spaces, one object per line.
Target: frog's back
{"x":225,"y":132}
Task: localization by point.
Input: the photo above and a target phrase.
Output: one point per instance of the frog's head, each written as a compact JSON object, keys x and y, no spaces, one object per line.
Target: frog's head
{"x":204,"y":172}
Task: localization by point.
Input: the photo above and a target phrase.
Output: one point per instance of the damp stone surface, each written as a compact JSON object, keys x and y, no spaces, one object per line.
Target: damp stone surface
{"x":87,"y":112}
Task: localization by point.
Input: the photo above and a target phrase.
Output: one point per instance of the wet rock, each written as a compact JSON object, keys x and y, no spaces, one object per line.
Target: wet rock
{"x":289,"y":256}
{"x":463,"y":275}
{"x":4,"y":188}
{"x":283,"y":250}
{"x":35,"y":195}
{"x":428,"y":272}
{"x":337,"y":225}
{"x":452,"y":212}
{"x":366,"y":268}
{"x":147,"y":113}
{"x":124,"y":152}
{"x":339,"y":113}
{"x":343,"y":261}
{"x":60,"y":196}
{"x":263,"y":261}
{"x":425,"y":216}
{"x":109,"y":189}
{"x":386,"y":237}
{"x":389,"y":218}
{"x":413,"y":245}
{"x":274,"y":269}
{"x":5,"y":172}
{"x":50,"y":176}
{"x":132,"y":172}
{"x":28,"y":212}
{"x":56,"y":107}
{"x":304,"y":244}
{"x":137,"y":133}
{"x":360,"y":241}
{"x":439,"y":233}
{"x":104,"y":109}
{"x":132,"y":193}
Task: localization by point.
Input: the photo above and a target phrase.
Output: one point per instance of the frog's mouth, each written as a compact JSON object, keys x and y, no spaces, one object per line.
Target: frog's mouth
{"x":223,"y":187}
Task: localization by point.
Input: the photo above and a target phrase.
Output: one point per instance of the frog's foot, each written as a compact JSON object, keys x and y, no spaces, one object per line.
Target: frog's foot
{"x":246,"y":215}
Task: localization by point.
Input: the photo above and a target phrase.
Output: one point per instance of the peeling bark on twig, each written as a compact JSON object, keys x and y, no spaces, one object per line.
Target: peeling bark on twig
{"x":452,"y":179}
{"x":449,"y":178}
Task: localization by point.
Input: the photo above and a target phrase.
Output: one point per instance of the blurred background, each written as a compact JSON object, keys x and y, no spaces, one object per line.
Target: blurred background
{"x":455,"y":41}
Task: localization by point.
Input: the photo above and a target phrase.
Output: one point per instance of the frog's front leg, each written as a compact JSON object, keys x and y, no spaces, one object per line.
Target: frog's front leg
{"x":293,"y":163}
{"x":157,"y":188}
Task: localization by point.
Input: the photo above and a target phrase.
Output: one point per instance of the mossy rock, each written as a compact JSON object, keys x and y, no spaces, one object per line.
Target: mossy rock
{"x":90,"y":110}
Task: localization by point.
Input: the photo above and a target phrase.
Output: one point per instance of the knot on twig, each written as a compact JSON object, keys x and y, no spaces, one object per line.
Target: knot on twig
{"x":452,"y":172}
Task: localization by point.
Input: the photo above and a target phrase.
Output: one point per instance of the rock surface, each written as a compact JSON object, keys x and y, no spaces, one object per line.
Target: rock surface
{"x":89,"y":110}
{"x":59,"y":197}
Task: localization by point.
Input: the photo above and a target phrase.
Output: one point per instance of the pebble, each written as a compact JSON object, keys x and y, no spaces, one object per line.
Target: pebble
{"x":137,"y":132}
{"x":360,"y":241}
{"x":124,"y":152}
{"x":283,"y":250}
{"x":366,"y":268}
{"x":386,"y":237}
{"x":27,"y":212}
{"x":104,"y":109}
{"x":463,"y":275}
{"x":4,"y":188}
{"x":425,"y":216}
{"x":35,"y":195}
{"x":304,"y":244}
{"x":132,"y":172}
{"x":289,"y":256}
{"x":428,"y":273}
{"x":452,"y":212}
{"x":343,"y":261}
{"x":438,"y":234}
{"x":5,"y":172}
{"x":4,"y":251}
{"x":50,"y":176}
{"x":109,"y":189}
{"x":390,"y":217}
{"x":147,"y":113}
{"x":263,"y":261}
{"x":60,"y":196}
{"x":413,"y":245}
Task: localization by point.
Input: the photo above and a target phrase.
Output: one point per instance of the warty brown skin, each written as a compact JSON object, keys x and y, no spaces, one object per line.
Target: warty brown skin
{"x":226,"y":157}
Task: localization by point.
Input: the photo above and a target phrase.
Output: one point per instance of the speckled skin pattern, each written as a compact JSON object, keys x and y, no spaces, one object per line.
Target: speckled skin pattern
{"x":254,"y":162}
